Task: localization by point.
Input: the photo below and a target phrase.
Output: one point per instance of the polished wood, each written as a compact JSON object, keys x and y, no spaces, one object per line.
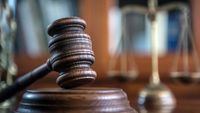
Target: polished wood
{"x":187,"y":96}
{"x":71,"y":56}
{"x":71,"y":52}
{"x":24,"y":81}
{"x":79,"y":100}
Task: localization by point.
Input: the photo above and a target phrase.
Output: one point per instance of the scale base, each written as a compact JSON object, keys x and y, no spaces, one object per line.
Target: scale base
{"x":156,"y":98}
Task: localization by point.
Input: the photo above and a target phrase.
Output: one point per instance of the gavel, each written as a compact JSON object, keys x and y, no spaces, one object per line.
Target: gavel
{"x":70,"y":54}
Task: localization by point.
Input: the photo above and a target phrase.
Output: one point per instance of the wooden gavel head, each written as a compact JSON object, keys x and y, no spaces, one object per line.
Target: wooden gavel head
{"x":71,"y":52}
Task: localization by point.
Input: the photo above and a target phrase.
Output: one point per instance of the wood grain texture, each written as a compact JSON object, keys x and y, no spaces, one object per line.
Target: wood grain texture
{"x":79,"y":100}
{"x":187,"y":96}
{"x":71,"y":52}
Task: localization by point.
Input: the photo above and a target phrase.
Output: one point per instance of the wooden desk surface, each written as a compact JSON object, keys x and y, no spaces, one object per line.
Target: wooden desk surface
{"x":187,"y":96}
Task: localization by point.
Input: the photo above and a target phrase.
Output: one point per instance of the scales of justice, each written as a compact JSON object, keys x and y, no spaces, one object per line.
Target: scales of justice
{"x":71,"y":56}
{"x":157,"y":97}
{"x":181,"y":73}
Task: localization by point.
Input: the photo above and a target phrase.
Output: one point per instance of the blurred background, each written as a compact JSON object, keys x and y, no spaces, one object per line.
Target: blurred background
{"x":116,"y":42}
{"x":104,"y":24}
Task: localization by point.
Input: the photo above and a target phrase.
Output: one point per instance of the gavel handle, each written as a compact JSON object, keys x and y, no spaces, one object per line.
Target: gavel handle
{"x":24,"y":81}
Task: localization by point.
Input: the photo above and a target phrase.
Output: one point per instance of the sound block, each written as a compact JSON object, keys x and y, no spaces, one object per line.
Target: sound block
{"x":78,"y":100}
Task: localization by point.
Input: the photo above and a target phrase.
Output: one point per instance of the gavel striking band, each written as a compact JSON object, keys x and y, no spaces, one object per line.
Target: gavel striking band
{"x":71,"y":55}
